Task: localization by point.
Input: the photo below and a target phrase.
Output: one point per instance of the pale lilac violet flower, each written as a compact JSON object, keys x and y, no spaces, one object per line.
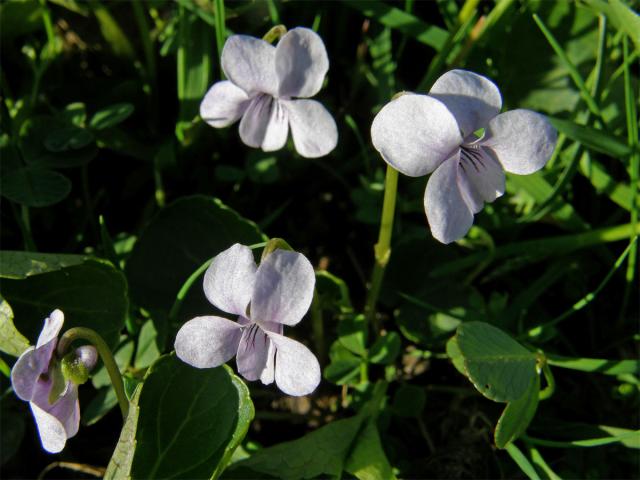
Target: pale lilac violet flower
{"x":268,"y":89}
{"x":264,"y":298}
{"x":33,"y":378}
{"x":419,"y":134}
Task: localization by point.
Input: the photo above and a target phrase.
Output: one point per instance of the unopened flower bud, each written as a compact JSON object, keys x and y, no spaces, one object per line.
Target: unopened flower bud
{"x":77,"y":365}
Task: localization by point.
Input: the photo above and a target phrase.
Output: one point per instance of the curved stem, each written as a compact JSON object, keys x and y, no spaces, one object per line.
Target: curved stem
{"x":186,"y":286}
{"x":382,"y":249}
{"x":81,"y":333}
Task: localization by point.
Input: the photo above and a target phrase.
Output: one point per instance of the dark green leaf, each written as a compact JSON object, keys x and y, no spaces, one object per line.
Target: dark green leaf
{"x":68,"y":138}
{"x":385,"y":349}
{"x":18,"y":264}
{"x":402,"y":21}
{"x":498,"y":366}
{"x":367,"y":461}
{"x":352,"y":334}
{"x":598,"y":140}
{"x":92,"y":295}
{"x":99,"y":406}
{"x":517,"y":415}
{"x":177,"y":242}
{"x":454,"y":353}
{"x":409,"y":401}
{"x":35,"y":187}
{"x":111,"y":116}
{"x":11,"y":340}
{"x":189,"y":422}
{"x":147,"y":351}
{"x":344,"y":367}
{"x":324,"y":452}
{"x":12,"y":433}
{"x":41,"y":134}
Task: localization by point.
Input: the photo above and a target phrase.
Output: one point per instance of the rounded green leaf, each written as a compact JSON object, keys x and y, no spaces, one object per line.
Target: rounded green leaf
{"x":385,"y":349}
{"x":55,"y":142}
{"x":92,"y":294}
{"x":517,"y":415}
{"x":177,"y":242}
{"x":35,"y":187}
{"x":189,"y":422}
{"x":18,"y":264}
{"x":111,"y":116}
{"x":499,"y":367}
{"x":68,"y":138}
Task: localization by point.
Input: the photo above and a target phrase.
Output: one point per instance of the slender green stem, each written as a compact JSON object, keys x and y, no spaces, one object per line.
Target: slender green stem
{"x":382,"y":249}
{"x":22,"y":219}
{"x":551,"y":383}
{"x":81,"y":333}
{"x":221,"y":30}
{"x":186,"y":286}
{"x":274,"y":33}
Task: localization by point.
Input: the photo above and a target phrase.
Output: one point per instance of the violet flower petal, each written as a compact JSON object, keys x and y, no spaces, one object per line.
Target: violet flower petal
{"x":471,"y":98}
{"x":228,"y":282}
{"x":480,"y":178}
{"x":522,"y":140}
{"x":447,"y":211}
{"x":297,"y":371}
{"x":223,"y":104}
{"x":275,"y":137}
{"x":301,"y":63}
{"x":283,"y":288}
{"x":250,"y":64}
{"x":415,"y":133}
{"x":52,"y":432}
{"x":252,"y":352}
{"x":313,"y":129}
{"x":207,"y":342}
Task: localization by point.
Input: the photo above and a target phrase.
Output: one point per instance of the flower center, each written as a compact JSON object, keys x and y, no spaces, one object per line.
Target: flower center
{"x":471,"y":157}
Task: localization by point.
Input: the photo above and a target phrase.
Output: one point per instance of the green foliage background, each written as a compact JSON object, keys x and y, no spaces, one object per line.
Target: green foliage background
{"x":522,"y":336}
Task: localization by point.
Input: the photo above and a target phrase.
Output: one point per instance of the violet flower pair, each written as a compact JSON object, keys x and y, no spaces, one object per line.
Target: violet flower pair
{"x":456,"y":131}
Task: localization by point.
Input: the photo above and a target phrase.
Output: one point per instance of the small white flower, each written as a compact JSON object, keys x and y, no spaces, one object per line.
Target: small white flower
{"x":265,"y":298}
{"x":420,"y":134}
{"x":268,"y":87}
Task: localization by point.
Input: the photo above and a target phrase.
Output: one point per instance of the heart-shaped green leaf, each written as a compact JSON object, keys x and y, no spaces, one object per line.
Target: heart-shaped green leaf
{"x":499,"y":367}
{"x":92,"y":294}
{"x":34,"y":186}
{"x":11,"y":340}
{"x":185,"y":422}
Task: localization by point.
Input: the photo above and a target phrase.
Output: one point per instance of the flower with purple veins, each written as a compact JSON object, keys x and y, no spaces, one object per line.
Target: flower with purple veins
{"x":264,"y":298}
{"x":268,"y":89}
{"x":37,"y":378}
{"x":419,"y":134}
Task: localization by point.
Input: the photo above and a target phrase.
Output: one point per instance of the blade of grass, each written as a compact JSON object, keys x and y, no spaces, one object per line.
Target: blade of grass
{"x":571,"y":68}
{"x":522,"y":461}
{"x":112,"y":32}
{"x":632,"y":136}
{"x":538,"y":249}
{"x":402,"y":21}
{"x":273,"y":12}
{"x":599,"y":365}
{"x":598,"y":140}
{"x":591,"y":442}
{"x":221,"y":31}
{"x":538,"y":461}
{"x":618,"y":192}
{"x":589,"y":297}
